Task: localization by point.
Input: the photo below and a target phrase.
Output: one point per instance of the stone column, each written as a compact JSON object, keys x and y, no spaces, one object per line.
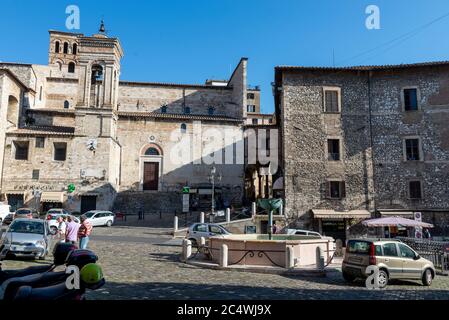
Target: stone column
{"x":186,"y":250}
{"x":224,"y":256}
{"x":175,"y":225}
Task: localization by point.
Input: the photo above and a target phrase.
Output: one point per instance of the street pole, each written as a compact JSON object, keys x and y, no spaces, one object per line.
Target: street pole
{"x":270,"y":225}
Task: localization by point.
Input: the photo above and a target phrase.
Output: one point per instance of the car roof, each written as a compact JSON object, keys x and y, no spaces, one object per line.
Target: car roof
{"x":34,"y":220}
{"x":376,"y":240}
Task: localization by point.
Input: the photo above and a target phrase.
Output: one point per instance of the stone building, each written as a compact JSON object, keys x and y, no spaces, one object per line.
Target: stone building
{"x":121,"y":145}
{"x":364,"y":141}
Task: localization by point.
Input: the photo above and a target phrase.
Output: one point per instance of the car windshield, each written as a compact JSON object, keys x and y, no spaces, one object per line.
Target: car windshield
{"x":34,"y":227}
{"x":23,"y":211}
{"x":90,"y":214}
{"x":360,"y":247}
{"x":53,"y":211}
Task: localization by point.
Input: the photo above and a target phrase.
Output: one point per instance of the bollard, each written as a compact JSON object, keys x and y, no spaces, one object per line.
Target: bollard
{"x":224,"y":256}
{"x":202,"y":217}
{"x":228,"y":215}
{"x":253,"y":209}
{"x":289,"y":258}
{"x":319,"y":258}
{"x":202,"y":242}
{"x":175,"y":226}
{"x":339,"y":248}
{"x":186,"y":250}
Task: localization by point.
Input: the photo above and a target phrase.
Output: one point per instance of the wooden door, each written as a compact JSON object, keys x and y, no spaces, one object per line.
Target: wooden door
{"x":151,"y":176}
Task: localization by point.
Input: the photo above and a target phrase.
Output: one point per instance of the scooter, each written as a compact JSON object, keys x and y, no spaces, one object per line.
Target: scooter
{"x":60,"y":254}
{"x":54,"y":281}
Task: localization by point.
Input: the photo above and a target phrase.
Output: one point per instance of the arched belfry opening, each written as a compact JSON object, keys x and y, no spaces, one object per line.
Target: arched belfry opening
{"x":12,"y":114}
{"x":96,"y":85}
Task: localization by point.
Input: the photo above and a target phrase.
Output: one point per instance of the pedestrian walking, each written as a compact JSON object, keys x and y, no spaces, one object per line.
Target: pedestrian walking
{"x":427,"y":234}
{"x":84,"y":232}
{"x":62,"y":228}
{"x":71,"y":233}
{"x":275,"y":228}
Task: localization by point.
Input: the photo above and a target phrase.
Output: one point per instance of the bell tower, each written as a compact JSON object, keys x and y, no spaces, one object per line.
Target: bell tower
{"x":99,"y":70}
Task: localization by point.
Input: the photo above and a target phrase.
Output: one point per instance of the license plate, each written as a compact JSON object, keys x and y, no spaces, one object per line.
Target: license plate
{"x":17,"y":248}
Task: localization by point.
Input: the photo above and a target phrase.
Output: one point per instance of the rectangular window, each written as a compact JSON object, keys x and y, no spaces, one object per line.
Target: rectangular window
{"x":35,"y":174}
{"x":331,"y":100}
{"x":333,"y":148}
{"x":40,"y":142}
{"x":412,"y":149}
{"x":336,"y":189}
{"x":21,"y":150}
{"x":415,"y":189}
{"x":410,"y":99}
{"x":250,"y":96}
{"x":254,"y":121}
{"x":251,"y":108}
{"x":60,"y":151}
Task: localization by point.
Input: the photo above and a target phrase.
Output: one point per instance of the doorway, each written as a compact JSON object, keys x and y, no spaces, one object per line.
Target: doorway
{"x":88,"y":203}
{"x":15,"y":201}
{"x":151,"y":176}
{"x":335,"y":229}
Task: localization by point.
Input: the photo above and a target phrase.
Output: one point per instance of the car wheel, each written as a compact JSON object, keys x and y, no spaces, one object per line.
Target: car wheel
{"x":427,"y":277}
{"x":348,"y":277}
{"x":53,"y":230}
{"x":383,"y":279}
{"x":109,"y":223}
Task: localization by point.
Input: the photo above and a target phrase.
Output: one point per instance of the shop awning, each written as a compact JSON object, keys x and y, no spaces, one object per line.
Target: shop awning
{"x":396,"y":214}
{"x":57,"y":197}
{"x":15,"y":192}
{"x":332,"y":214}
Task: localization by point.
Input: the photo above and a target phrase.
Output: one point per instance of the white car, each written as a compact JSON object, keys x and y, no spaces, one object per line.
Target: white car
{"x":98,"y":218}
{"x":5,"y":210}
{"x":303,"y":232}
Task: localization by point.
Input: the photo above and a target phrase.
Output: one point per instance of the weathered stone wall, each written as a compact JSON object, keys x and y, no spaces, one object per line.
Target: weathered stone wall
{"x":391,"y":125}
{"x":306,"y":130}
{"x":150,"y":98}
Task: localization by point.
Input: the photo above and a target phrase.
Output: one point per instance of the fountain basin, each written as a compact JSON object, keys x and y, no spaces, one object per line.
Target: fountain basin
{"x":257,"y":250}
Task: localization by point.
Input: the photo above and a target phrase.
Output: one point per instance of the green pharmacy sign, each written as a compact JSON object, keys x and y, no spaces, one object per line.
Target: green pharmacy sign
{"x":71,"y":188}
{"x":186,"y":190}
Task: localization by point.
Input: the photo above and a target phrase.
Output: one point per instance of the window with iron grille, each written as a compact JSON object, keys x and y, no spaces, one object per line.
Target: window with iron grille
{"x":21,"y":150}
{"x":412,"y":149}
{"x":251,"y":108}
{"x":415,"y":190}
{"x":331,"y":100}
{"x":410,"y":99}
{"x":60,"y":151}
{"x":35,"y":174}
{"x":250,"y":95}
{"x":335,"y":189}
{"x":40,"y":142}
{"x":333,"y":149}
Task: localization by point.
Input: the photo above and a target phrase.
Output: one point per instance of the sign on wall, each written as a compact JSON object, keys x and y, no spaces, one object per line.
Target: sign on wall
{"x":418,"y":230}
{"x":185,"y":202}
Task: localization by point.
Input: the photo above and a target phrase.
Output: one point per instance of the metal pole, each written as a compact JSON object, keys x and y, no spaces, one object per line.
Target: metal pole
{"x":270,"y":225}
{"x":213,"y":193}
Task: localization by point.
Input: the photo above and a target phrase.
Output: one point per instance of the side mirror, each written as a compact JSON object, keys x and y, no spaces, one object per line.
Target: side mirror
{"x":417,"y":257}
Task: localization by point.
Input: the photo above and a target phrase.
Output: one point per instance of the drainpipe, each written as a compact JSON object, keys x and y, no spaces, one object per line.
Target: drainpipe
{"x":371,"y":139}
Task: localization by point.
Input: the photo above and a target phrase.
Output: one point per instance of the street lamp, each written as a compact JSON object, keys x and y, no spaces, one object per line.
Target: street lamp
{"x":212,"y":178}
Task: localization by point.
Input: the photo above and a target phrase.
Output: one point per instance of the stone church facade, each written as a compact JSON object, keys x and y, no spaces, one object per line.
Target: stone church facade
{"x":74,"y":123}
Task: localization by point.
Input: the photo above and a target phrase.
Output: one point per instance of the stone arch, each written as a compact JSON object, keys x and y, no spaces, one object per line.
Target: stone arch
{"x":148,"y":146}
{"x":12,"y":114}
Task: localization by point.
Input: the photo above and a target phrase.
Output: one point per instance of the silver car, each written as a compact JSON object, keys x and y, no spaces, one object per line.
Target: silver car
{"x":27,"y":237}
{"x":204,"y":230}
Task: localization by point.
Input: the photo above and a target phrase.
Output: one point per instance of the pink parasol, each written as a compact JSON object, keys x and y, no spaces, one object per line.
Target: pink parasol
{"x":395,"y":221}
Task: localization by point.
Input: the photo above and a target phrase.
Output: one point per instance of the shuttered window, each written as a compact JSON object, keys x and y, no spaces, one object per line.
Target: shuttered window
{"x":331,"y":100}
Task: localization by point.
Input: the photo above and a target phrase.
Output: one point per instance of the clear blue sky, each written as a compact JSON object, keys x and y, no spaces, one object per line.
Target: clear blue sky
{"x":187,"y":41}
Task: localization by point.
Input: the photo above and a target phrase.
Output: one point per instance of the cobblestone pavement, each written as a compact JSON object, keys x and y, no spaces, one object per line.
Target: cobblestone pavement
{"x":143,"y":263}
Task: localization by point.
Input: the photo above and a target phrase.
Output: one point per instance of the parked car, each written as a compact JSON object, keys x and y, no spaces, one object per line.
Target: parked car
{"x":26,"y":213}
{"x":53,"y":224}
{"x":100,"y":218}
{"x":5,"y":210}
{"x":8,"y":219}
{"x":57,"y":211}
{"x":303,"y":232}
{"x":395,"y":260}
{"x":205,"y":230}
{"x":27,"y":237}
